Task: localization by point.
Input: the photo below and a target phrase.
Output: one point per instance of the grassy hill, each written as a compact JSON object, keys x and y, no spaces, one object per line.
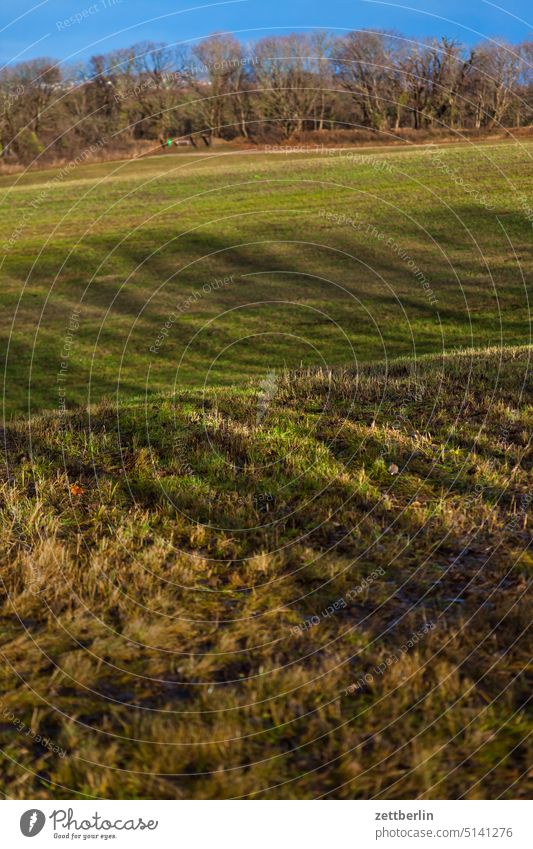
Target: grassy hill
{"x":311,"y":586}
{"x":332,"y":257}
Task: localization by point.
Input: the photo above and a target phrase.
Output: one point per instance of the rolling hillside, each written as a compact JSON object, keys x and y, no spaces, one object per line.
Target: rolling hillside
{"x":129,"y":277}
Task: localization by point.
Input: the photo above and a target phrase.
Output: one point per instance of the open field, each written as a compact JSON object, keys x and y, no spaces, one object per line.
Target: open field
{"x":353,"y":256}
{"x":281,"y":548}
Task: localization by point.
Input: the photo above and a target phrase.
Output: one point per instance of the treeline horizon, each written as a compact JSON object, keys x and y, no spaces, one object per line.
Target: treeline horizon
{"x":267,"y":91}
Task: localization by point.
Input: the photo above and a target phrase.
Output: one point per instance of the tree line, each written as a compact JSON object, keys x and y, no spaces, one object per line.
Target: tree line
{"x":269,"y":90}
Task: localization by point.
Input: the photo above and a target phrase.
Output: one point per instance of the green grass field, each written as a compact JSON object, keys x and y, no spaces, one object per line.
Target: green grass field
{"x":281,"y":547}
{"x":333,"y":259}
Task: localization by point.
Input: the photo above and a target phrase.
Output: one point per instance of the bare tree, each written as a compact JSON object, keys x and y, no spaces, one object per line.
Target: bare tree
{"x":437,"y":76}
{"x":501,"y":66}
{"x":213,"y":75}
{"x":283,"y":71}
{"x":363,"y":66}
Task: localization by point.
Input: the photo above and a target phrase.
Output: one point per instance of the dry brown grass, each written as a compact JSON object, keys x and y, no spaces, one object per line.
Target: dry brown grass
{"x":149,"y":624}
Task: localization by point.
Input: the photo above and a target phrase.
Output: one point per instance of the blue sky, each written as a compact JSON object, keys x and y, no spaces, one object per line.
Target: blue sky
{"x":30,"y":28}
